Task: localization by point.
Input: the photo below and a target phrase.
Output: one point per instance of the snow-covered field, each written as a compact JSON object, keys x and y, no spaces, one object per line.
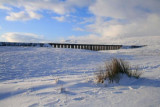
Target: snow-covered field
{"x":33,"y":77}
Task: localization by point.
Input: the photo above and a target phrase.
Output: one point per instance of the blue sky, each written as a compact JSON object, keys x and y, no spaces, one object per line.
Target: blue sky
{"x":58,"y":20}
{"x":50,"y":28}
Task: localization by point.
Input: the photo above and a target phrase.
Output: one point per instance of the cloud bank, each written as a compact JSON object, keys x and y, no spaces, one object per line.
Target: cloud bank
{"x":32,"y":7}
{"x":110,"y":18}
{"x":23,"y":37}
{"x":123,"y":18}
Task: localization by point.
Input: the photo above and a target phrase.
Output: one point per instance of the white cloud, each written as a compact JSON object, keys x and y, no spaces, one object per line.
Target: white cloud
{"x":34,"y":15}
{"x":56,"y":6}
{"x":125,"y":18}
{"x":111,"y":18}
{"x":118,"y":20}
{"x":142,"y":27}
{"x":24,"y":16}
{"x":124,"y":9}
{"x":4,"y":7}
{"x":60,"y":18}
{"x":78,"y":29}
{"x":22,"y":37}
{"x":86,"y":20}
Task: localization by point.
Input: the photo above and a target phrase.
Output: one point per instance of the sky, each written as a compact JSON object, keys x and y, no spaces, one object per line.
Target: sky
{"x":88,"y":20}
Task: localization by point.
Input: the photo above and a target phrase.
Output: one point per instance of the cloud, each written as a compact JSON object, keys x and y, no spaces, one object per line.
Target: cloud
{"x":143,"y":27}
{"x":109,"y":19}
{"x":60,"y":19}
{"x":23,"y":16}
{"x":124,"y":9}
{"x":86,"y":20}
{"x":125,"y":18}
{"x":33,"y":6}
{"x":22,"y":37}
{"x":4,"y":7}
{"x":78,"y":29}
{"x":115,"y":21}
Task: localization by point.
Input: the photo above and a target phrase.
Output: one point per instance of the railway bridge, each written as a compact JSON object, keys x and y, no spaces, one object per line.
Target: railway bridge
{"x":94,"y":47}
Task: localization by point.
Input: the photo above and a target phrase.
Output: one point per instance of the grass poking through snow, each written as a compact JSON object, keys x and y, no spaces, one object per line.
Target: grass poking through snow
{"x":114,"y":70}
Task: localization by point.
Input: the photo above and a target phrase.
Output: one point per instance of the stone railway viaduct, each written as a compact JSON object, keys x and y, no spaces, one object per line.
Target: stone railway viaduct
{"x":94,"y":47}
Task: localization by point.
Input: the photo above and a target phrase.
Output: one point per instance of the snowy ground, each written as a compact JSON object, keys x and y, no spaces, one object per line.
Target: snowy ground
{"x":33,"y":77}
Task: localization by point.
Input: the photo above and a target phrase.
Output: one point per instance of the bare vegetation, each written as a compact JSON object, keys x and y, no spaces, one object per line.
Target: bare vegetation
{"x":114,"y":70}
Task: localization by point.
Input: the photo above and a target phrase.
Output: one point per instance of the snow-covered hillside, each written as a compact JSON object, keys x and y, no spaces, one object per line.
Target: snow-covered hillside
{"x":34,"y":76}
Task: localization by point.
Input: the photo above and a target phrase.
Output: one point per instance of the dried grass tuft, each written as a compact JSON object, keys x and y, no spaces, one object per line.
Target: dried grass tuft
{"x":114,"y":70}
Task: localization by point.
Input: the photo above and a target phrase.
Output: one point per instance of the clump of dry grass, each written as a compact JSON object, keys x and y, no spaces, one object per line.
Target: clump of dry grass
{"x":114,"y":70}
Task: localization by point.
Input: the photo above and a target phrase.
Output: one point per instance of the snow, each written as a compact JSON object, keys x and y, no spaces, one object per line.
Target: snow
{"x":52,"y":77}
